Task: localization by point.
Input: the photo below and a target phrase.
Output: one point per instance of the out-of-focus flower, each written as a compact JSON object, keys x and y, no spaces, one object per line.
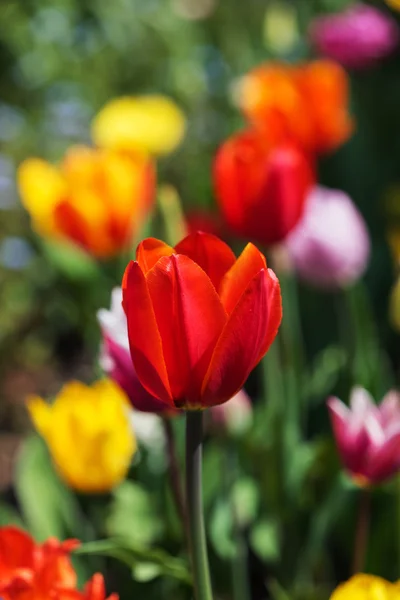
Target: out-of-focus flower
{"x":97,"y":199}
{"x":330,"y":245}
{"x":395,"y":4}
{"x":356,"y":37}
{"x":115,"y":358}
{"x":367,"y":587}
{"x":234,"y":416}
{"x":203,"y":220}
{"x":152,"y":124}
{"x":88,"y":433}
{"x":261,"y":189}
{"x":34,"y":571}
{"x":198,"y":319}
{"x":30,"y":571}
{"x":306,"y":103}
{"x":367,"y":435}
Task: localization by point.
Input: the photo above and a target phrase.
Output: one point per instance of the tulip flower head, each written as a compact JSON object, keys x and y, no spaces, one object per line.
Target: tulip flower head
{"x":34,"y":571}
{"x":367,"y":587}
{"x":199,"y":320}
{"x":153,"y":124}
{"x":356,"y":37}
{"x":115,"y":358}
{"x":31,"y":571}
{"x":261,"y":189}
{"x":95,"y":198}
{"x":307,"y":104}
{"x":367,"y":435}
{"x":330,"y":245}
{"x":89,"y":435}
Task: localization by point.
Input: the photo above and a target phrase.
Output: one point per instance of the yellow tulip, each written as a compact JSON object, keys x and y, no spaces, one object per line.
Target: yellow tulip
{"x":96,"y":198}
{"x":367,"y":587}
{"x":153,"y":124}
{"x":88,"y":433}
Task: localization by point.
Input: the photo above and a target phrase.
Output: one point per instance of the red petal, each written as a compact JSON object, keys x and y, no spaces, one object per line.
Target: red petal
{"x":144,"y":337}
{"x":240,"y":347}
{"x":16,"y":551}
{"x":150,"y":251}
{"x":209,"y":252}
{"x":236,"y":280}
{"x":274,"y":312}
{"x":190,"y":318}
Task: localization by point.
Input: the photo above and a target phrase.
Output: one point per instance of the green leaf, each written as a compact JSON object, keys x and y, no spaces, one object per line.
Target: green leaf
{"x":264,"y":540}
{"x":325,"y":372}
{"x":9,"y":516}
{"x":133,"y":515}
{"x":221,"y":529}
{"x":48,"y":507}
{"x":245,"y":496}
{"x":146,"y":563}
{"x":70,"y":260}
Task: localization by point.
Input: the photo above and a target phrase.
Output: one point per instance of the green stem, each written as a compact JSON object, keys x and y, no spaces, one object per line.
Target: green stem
{"x":362,"y":531}
{"x":197,"y":537}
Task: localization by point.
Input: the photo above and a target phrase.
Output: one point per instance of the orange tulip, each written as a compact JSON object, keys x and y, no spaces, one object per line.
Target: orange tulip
{"x":198,"y":319}
{"x":30,"y":571}
{"x":33,"y":571}
{"x":261,"y":189}
{"x":307,"y":104}
{"x":95,"y":198}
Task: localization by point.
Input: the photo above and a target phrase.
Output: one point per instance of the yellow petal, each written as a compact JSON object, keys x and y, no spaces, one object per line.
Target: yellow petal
{"x":41,"y":187}
{"x":153,"y":124}
{"x":40,"y":413}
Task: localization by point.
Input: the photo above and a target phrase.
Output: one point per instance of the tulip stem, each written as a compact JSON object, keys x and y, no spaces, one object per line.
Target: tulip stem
{"x":174,"y":473}
{"x":194,"y":503}
{"x":362,"y":531}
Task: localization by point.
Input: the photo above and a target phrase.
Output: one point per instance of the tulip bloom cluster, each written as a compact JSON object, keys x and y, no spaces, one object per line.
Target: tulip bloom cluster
{"x":199,"y":320}
{"x":33,"y":571}
{"x":263,"y":174}
{"x":99,"y":197}
{"x":368,"y":436}
{"x":88,"y":433}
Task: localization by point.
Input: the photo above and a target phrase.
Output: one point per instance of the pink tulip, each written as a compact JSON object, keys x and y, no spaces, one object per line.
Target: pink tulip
{"x":356,"y":37}
{"x":115,"y":358}
{"x":367,"y":435}
{"x":330,"y":246}
{"x":234,"y":416}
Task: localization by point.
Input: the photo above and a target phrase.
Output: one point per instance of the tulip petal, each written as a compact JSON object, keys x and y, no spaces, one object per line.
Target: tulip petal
{"x":239,"y":348}
{"x":190,"y":318}
{"x":210,"y":253}
{"x":149,"y":251}
{"x":352,"y":443}
{"x":41,"y":187}
{"x":16,"y":551}
{"x":383,"y":461}
{"x":144,"y":337}
{"x":236,"y":280}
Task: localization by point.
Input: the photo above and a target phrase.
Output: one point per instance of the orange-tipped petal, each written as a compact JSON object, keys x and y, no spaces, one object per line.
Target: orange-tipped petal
{"x":236,"y":280}
{"x":274,"y":312}
{"x":245,"y":336}
{"x":209,"y":252}
{"x":149,"y":251}
{"x":190,"y":318}
{"x":144,"y":337}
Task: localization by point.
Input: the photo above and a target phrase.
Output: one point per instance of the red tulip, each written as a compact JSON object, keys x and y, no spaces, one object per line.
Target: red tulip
{"x":261,"y":189}
{"x":198,"y":319}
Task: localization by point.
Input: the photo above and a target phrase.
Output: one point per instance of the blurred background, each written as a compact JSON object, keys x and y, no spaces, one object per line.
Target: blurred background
{"x":60,"y":62}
